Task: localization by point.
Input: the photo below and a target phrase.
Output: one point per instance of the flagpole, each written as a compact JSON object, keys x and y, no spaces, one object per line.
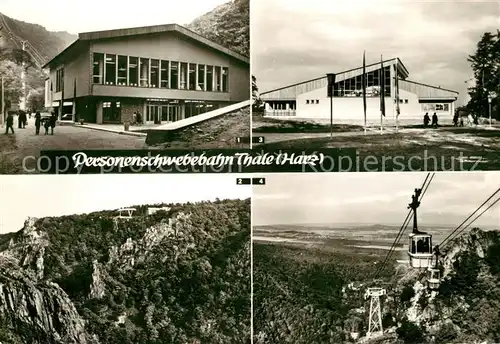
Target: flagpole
{"x":382,"y":91}
{"x":364,"y":88}
{"x":396,"y":90}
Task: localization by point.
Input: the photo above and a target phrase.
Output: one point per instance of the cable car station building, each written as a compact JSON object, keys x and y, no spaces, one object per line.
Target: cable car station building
{"x":165,"y":72}
{"x":308,"y":99}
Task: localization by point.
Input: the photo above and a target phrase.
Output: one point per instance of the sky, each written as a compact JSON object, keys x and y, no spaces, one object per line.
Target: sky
{"x":373,"y":198}
{"x":95,"y":15}
{"x":296,"y":40}
{"x":57,"y":195}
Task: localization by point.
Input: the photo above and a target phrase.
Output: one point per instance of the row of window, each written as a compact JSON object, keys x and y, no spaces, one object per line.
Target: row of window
{"x":426,"y":107}
{"x":120,"y":70}
{"x":312,"y":101}
{"x":353,"y":87}
{"x":291,"y":106}
{"x":401,"y":101}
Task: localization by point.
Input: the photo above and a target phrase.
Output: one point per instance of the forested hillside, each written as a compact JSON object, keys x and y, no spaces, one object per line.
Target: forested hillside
{"x":228,"y":25}
{"x":48,"y":43}
{"x":306,"y":295}
{"x":181,"y":276}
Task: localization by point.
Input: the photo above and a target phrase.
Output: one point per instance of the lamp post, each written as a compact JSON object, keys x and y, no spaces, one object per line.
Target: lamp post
{"x":331,"y":82}
{"x":491,"y":95}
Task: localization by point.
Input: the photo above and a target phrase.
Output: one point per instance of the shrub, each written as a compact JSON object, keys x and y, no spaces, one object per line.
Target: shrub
{"x":407,"y":293}
{"x":410,"y":333}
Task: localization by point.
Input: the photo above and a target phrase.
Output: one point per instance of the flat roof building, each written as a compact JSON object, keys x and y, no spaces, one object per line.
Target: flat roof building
{"x":165,"y":72}
{"x":308,"y":99}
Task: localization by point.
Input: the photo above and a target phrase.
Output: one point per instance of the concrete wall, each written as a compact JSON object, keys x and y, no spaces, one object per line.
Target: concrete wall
{"x":78,"y":69}
{"x":346,"y":110}
{"x":349,"y":110}
{"x":143,"y":92}
{"x":239,"y":82}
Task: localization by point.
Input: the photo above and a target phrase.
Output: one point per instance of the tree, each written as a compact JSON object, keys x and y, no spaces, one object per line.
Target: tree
{"x":256,"y":100}
{"x":36,"y":99}
{"x":11,"y":74}
{"x":21,"y":56}
{"x":485,"y":63}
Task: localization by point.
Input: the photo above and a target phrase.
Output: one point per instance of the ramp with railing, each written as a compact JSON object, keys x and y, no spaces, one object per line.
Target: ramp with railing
{"x":167,"y":132}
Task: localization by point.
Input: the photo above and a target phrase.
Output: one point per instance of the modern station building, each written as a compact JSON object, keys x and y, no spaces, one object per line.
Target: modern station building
{"x":308,"y":99}
{"x":165,"y":72}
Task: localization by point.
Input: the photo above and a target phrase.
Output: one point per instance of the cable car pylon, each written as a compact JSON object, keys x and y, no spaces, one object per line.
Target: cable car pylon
{"x":375,"y":316}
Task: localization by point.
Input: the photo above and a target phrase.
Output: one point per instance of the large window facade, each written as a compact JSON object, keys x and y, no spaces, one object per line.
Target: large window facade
{"x":183,"y":78}
{"x":155,"y":73}
{"x":110,"y":70}
{"x":210,"y":78}
{"x":98,"y":68}
{"x":174,"y":75}
{"x":353,"y":87}
{"x":122,"y":70}
{"x":133,"y":71}
{"x":164,"y":73}
{"x":201,"y":78}
{"x":192,"y":76}
{"x":143,"y":72}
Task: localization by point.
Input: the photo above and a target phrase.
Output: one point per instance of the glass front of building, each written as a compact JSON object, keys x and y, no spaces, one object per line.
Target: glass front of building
{"x":133,"y":71}
{"x":353,"y":87}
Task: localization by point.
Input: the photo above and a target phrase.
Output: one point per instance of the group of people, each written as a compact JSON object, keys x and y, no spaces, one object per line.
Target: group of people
{"x":137,"y":118}
{"x":48,"y":123}
{"x":22,"y":120}
{"x":427,"y":119}
{"x":471,"y":120}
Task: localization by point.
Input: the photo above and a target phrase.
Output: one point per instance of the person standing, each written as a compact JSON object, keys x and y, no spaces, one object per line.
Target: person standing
{"x":426,"y":119}
{"x":38,"y":122}
{"x":52,"y":120}
{"x":19,"y":120}
{"x":455,"y":119}
{"x":9,"y":123}
{"x":434,"y":120}
{"x":24,"y":119}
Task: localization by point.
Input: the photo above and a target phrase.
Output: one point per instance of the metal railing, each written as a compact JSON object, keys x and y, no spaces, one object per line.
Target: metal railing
{"x":279,"y":113}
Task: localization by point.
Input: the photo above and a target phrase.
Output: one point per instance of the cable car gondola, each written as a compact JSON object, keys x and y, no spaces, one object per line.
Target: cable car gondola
{"x":419,"y":243}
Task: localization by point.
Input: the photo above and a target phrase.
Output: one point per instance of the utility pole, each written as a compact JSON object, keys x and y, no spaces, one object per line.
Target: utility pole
{"x":22,"y":104}
{"x":375,"y":315}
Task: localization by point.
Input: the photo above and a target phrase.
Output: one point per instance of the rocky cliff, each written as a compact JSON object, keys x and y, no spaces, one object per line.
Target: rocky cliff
{"x":180,"y":276}
{"x":464,"y":308}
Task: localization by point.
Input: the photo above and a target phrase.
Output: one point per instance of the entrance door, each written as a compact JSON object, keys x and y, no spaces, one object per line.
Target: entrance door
{"x":164,"y":113}
{"x":173,"y":113}
{"x":152,"y":114}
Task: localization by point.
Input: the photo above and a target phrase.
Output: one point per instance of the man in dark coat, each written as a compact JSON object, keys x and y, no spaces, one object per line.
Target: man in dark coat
{"x":19,"y":119}
{"x":426,"y":119}
{"x":9,"y":123}
{"x":434,"y":120}
{"x":52,"y":120}
{"x":38,"y":122}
